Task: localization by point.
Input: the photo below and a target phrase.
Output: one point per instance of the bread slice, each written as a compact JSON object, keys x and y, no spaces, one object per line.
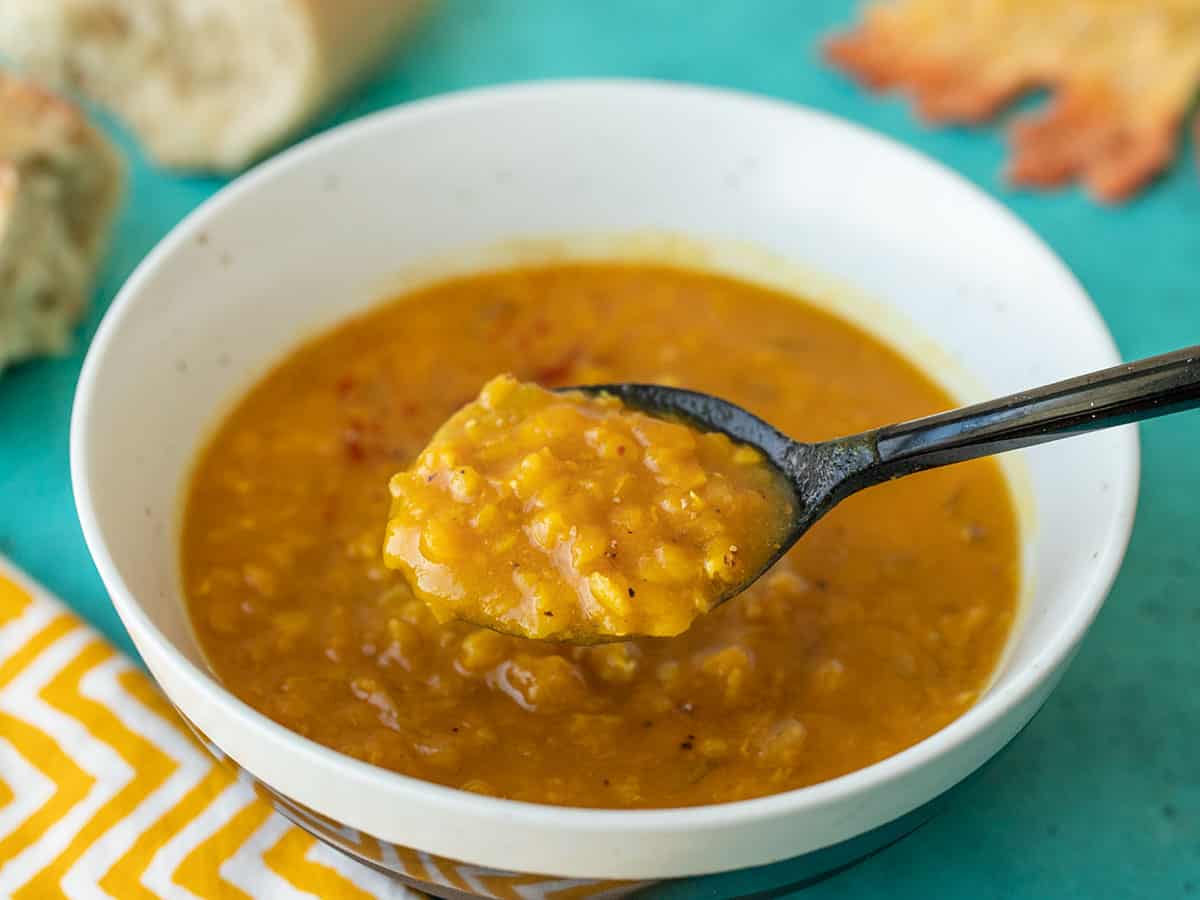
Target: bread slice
{"x":60,"y":181}
{"x":205,"y":84}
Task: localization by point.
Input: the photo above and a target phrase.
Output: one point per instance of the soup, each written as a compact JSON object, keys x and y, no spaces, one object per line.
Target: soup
{"x":568,"y":516}
{"x":880,"y":627}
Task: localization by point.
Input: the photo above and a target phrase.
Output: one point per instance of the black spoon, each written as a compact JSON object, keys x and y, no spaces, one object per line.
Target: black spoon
{"x":821,"y":475}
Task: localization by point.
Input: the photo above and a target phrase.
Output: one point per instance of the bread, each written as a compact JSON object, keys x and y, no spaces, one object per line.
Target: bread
{"x":205,"y":84}
{"x":60,"y":181}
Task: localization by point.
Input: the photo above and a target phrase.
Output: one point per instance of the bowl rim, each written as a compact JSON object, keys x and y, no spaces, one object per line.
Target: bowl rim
{"x":992,"y":706}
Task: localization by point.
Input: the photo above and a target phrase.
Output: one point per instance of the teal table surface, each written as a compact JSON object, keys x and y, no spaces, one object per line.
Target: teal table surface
{"x":1100,"y":796}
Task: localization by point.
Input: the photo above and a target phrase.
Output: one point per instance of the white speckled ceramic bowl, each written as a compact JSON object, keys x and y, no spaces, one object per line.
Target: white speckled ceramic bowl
{"x":323,"y":230}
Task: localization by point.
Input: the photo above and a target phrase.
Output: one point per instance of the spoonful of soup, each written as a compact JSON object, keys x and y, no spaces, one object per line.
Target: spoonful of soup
{"x":603,"y":512}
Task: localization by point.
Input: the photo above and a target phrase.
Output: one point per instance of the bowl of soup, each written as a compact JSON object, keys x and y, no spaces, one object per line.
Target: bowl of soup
{"x":289,"y":350}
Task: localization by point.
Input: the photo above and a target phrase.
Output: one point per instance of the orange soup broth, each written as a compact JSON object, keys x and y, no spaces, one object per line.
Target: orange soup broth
{"x":880,"y":627}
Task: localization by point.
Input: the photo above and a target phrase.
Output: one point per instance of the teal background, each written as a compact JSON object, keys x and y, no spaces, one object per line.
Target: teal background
{"x":1100,"y":796}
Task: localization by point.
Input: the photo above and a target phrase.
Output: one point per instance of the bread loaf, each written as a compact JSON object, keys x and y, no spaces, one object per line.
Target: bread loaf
{"x":60,"y":180}
{"x":205,"y":84}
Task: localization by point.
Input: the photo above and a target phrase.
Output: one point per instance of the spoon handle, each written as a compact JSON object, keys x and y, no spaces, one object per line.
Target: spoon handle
{"x":1126,"y":393}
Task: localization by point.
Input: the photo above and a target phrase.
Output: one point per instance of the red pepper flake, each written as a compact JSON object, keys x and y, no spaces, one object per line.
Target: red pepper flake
{"x":621,"y":450}
{"x":352,"y":443}
{"x":557,"y":371}
{"x":345,"y":385}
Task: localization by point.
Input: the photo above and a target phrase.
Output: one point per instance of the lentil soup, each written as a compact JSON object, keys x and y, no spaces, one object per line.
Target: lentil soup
{"x":880,"y":627}
{"x":567,"y":516}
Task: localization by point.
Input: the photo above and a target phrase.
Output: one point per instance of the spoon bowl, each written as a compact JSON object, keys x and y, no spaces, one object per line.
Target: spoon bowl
{"x":810,"y":471}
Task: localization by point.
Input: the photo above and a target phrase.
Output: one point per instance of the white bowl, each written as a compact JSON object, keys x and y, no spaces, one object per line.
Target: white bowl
{"x":317,"y":233}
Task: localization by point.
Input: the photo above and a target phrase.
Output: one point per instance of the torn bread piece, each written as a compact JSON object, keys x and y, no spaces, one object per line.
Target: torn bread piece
{"x":60,"y":181}
{"x":1121,"y":75}
{"x":205,"y":84}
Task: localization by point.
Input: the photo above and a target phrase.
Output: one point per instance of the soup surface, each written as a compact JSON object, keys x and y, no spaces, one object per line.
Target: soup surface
{"x":881,"y":626}
{"x":568,"y":516}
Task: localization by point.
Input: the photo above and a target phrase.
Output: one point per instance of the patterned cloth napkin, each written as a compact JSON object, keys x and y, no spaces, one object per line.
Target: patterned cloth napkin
{"x":104,"y":792}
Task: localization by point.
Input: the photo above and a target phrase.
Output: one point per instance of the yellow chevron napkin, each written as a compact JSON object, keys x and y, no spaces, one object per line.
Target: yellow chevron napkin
{"x":104,"y":793}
